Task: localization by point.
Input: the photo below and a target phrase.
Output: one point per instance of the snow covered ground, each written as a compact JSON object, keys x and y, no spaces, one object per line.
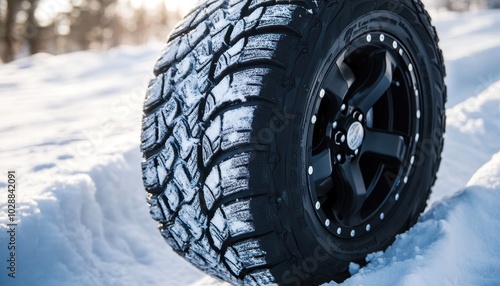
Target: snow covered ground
{"x":70,"y":129}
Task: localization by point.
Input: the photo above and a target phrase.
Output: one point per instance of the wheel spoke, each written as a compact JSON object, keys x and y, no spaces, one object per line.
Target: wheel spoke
{"x":385,"y":144}
{"x":322,"y":166}
{"x":382,"y":75}
{"x":355,"y":190}
{"x":338,"y":81}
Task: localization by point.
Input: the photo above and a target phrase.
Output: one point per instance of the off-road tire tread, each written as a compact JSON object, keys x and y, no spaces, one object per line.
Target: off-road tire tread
{"x":202,"y":116}
{"x":203,"y":112}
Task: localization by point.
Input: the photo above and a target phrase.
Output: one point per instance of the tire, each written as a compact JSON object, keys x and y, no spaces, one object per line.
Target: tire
{"x":283,"y":140}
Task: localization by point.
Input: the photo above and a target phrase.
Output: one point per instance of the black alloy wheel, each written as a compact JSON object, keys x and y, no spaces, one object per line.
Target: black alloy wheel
{"x":363,"y":135}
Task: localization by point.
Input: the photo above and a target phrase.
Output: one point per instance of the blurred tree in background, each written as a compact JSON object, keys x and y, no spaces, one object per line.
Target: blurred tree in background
{"x":60,"y":26}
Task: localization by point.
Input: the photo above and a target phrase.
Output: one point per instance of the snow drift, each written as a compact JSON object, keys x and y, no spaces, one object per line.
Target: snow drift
{"x":71,"y":133}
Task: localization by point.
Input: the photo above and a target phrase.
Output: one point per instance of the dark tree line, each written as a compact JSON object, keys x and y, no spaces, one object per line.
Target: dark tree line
{"x":60,"y":26}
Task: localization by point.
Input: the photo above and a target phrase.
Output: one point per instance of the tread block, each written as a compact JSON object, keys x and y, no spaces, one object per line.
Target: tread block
{"x":163,"y":202}
{"x":235,"y":8}
{"x":196,"y":17}
{"x":260,"y":277}
{"x":211,"y":140}
{"x":212,"y":190}
{"x":203,"y":55}
{"x":172,"y":197}
{"x":191,"y":215}
{"x":229,"y":58}
{"x":154,"y":93}
{"x":230,"y":130}
{"x":232,"y":261}
{"x":155,"y":209}
{"x":157,"y":126}
{"x":150,"y":133}
{"x":157,"y":168}
{"x":246,"y":24}
{"x":240,"y":218}
{"x":188,"y":23}
{"x":170,"y":111}
{"x":203,"y":249}
{"x":204,"y":81}
{"x":184,"y":183}
{"x":179,"y":48}
{"x":237,"y":127}
{"x":250,"y":253}
{"x":227,"y":178}
{"x":218,"y":229}
{"x":219,"y":40}
{"x":247,"y":215}
{"x":260,"y":3}
{"x":259,"y":48}
{"x":291,"y":17}
{"x":197,"y":258}
{"x":149,"y":174}
{"x":194,"y":123}
{"x":180,"y":234}
{"x":191,"y":164}
{"x":165,"y":160}
{"x":263,"y":47}
{"x":242,"y":86}
{"x":183,"y":69}
{"x":231,"y":177}
{"x":189,"y":94}
{"x":221,"y":95}
{"x":183,"y":137}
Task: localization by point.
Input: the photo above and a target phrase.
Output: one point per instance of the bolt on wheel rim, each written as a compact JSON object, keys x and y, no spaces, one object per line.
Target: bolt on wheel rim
{"x":366,"y":120}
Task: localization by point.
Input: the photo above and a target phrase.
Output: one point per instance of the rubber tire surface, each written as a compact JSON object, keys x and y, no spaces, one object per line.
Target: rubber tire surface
{"x":223,"y":136}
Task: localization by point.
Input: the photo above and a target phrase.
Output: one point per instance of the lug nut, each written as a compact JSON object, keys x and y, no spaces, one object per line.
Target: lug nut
{"x":343,"y":107}
{"x":356,"y":152}
{"x":334,"y":125}
{"x":340,"y":158}
{"x":339,"y":138}
{"x":358,"y":116}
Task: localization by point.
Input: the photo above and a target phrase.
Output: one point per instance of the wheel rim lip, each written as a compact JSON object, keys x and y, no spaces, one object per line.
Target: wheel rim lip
{"x":395,"y":47}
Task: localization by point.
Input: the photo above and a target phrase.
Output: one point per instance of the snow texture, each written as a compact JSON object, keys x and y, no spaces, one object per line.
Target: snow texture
{"x":71,"y":129}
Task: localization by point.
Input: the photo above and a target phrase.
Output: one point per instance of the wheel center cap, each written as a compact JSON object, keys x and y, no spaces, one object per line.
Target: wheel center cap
{"x":355,"y":135}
